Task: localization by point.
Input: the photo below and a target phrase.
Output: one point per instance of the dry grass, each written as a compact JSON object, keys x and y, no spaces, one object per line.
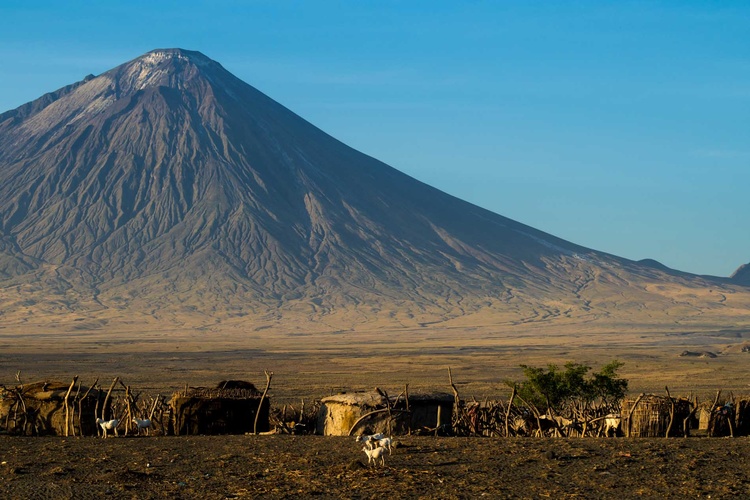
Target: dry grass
{"x":316,"y":363}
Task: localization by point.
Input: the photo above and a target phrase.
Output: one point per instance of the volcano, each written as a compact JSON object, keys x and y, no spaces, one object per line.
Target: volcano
{"x":168,"y":187}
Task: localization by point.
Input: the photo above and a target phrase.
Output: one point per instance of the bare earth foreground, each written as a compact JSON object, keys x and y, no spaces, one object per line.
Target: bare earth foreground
{"x":326,"y":467}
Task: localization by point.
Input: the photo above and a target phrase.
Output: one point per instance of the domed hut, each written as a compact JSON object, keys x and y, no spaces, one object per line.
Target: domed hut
{"x":48,"y":408}
{"x":358,"y":413}
{"x":230,"y":408}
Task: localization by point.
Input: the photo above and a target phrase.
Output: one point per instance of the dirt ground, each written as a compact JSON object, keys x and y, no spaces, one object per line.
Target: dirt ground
{"x":326,"y":467}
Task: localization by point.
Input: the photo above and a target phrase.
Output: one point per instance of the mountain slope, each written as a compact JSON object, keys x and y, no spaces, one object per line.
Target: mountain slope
{"x":742,"y":275}
{"x":167,"y":184}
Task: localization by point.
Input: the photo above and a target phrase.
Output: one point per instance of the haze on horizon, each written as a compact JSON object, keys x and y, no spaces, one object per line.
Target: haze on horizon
{"x":619,"y":127}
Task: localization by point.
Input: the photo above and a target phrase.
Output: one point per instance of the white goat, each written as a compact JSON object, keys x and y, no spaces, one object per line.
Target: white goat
{"x":375,"y":454}
{"x":385,"y":442}
{"x":612,"y":423}
{"x":142,"y":424}
{"x":365,"y":439}
{"x":108,"y":425}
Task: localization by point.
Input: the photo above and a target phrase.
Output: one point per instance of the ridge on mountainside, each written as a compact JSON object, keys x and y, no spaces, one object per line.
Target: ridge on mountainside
{"x":168,"y":186}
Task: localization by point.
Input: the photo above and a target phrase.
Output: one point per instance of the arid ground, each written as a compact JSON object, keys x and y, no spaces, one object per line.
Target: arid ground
{"x":311,"y":366}
{"x":420,"y":467}
{"x":314,"y":365}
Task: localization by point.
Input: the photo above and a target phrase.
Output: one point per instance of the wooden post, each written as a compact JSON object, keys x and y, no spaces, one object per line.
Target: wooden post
{"x":80,"y":406}
{"x":671,"y":412}
{"x":106,"y":398}
{"x":129,"y":418}
{"x":406,"y":400}
{"x":365,"y":416}
{"x":25,"y":413}
{"x":686,"y":422}
{"x":390,"y":415}
{"x":262,"y":398}
{"x":536,"y":413}
{"x":712,"y":415}
{"x":67,"y":406}
{"x":96,"y":410}
{"x":456,"y":402}
{"x":153,"y":407}
{"x":128,"y":407}
{"x":73,"y":417}
{"x":507,"y":412}
{"x":630,"y":414}
{"x":439,"y":422}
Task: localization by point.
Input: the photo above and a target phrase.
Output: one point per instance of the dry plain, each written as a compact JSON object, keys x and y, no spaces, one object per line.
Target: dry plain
{"x":318,"y":364}
{"x":159,"y":356}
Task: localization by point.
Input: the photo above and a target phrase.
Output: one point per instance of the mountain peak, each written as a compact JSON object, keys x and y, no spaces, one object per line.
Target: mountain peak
{"x":158,"y":56}
{"x":167,"y":183}
{"x":164,"y":67}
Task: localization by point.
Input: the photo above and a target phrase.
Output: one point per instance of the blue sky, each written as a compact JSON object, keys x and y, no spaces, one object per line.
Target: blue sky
{"x":622,"y":126}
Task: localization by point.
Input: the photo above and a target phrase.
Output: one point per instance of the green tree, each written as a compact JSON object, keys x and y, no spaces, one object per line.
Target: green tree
{"x":554,"y":388}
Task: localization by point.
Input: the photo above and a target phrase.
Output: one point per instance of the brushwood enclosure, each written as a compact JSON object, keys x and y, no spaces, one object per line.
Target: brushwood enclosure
{"x":549,"y":403}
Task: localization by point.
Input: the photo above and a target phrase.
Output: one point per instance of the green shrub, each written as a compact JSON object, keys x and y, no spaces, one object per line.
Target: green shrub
{"x":555,"y":389}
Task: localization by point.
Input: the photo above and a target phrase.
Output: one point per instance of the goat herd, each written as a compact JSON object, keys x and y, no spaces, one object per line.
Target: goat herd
{"x":375,"y":447}
{"x":111,"y":425}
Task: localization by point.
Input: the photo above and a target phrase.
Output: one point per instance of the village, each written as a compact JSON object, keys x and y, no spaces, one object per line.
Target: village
{"x":54,"y":408}
{"x":73,"y":440}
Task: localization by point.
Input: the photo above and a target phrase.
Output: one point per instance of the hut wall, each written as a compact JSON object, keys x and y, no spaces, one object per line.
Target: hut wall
{"x":336,"y":419}
{"x":425,"y":413}
{"x":197,"y":415}
{"x":339,"y":413}
{"x":704,"y":418}
{"x":651,"y":416}
{"x":45,"y":411}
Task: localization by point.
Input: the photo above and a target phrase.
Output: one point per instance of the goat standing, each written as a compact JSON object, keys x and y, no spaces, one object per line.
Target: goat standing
{"x":108,"y":425}
{"x":375,"y":454}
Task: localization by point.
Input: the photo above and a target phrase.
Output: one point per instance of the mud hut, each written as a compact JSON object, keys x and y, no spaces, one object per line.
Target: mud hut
{"x":428,"y":411}
{"x":370,"y":412}
{"x":48,"y":408}
{"x":654,"y":416}
{"x":339,"y":413}
{"x":230,"y":408}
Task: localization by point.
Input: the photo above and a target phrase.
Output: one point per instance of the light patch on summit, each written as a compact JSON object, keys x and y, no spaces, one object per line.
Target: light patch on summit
{"x":146,"y":71}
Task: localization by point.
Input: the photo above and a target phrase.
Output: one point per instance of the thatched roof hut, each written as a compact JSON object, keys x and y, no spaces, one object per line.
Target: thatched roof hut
{"x":39,"y":409}
{"x":339,"y":413}
{"x":650,"y":416}
{"x":230,"y":408}
{"x":370,"y":412}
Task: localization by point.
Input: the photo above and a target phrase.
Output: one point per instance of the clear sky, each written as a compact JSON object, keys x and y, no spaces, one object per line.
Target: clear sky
{"x":623,"y":126}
